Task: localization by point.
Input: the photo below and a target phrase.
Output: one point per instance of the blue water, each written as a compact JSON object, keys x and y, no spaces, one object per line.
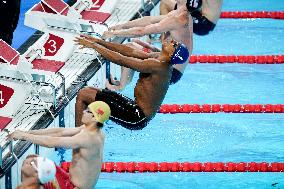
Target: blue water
{"x":209,"y":137}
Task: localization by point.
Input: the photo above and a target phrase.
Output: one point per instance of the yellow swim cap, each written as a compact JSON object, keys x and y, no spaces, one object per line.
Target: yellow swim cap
{"x":101,"y":111}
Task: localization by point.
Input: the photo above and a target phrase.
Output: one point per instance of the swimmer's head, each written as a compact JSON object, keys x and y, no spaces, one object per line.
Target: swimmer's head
{"x":180,"y":53}
{"x":99,"y":110}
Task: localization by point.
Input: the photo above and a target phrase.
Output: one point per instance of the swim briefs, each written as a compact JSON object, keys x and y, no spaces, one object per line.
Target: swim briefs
{"x":201,"y":24}
{"x":124,"y":111}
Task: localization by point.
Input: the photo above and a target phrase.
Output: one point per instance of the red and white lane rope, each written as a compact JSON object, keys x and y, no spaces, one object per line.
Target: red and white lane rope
{"x":226,"y":108}
{"x":141,"y":167}
{"x":242,"y":59}
{"x":254,"y":14}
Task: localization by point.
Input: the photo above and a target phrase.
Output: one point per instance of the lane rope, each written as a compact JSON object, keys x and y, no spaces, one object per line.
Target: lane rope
{"x":253,"y":14}
{"x":140,"y":167}
{"x":242,"y":59}
{"x":226,"y":108}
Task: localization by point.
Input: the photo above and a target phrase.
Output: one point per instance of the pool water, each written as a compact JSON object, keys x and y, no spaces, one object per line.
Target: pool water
{"x":216,"y":137}
{"x":213,"y":137}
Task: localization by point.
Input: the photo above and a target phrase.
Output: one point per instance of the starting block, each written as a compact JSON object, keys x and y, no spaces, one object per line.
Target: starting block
{"x":84,"y":17}
{"x":39,"y":67}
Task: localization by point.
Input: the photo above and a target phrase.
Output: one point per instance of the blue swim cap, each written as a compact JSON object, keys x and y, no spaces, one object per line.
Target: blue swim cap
{"x":180,"y":54}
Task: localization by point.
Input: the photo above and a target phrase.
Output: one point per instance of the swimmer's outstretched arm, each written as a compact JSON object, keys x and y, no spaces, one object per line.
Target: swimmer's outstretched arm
{"x":141,"y":22}
{"x":145,"y":66}
{"x":56,"y":131}
{"x":76,"y":141}
{"x":121,"y":48}
{"x":169,"y":23}
{"x":146,"y":45}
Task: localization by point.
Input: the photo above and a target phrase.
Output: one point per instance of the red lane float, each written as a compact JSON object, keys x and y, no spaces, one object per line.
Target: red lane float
{"x":242,"y":59}
{"x":140,"y":167}
{"x":226,"y":108}
{"x":254,"y":14}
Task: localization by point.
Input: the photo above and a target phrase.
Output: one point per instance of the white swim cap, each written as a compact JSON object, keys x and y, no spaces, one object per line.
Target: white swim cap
{"x":46,"y":169}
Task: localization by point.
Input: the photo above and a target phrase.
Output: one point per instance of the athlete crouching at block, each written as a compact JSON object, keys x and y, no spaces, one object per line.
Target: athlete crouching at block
{"x":150,"y":89}
{"x":87,"y":143}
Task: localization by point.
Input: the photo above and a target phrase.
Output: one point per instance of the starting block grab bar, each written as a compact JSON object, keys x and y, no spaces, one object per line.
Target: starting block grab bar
{"x":37,"y":84}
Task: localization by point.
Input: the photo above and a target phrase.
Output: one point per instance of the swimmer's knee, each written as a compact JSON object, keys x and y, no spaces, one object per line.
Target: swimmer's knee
{"x":166,"y":4}
{"x":165,"y":7}
{"x":162,"y":4}
{"x":82,"y":93}
{"x":88,"y":89}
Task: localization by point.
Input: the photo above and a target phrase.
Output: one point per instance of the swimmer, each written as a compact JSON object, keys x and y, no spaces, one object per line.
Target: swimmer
{"x":176,"y":25}
{"x":151,"y":87}
{"x":87,"y":142}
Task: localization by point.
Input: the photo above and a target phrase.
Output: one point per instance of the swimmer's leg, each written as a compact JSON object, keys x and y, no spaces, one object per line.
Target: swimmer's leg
{"x":85,"y":96}
{"x":167,"y":6}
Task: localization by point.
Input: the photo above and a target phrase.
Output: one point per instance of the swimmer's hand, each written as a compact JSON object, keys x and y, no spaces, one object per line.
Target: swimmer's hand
{"x":17,"y":135}
{"x":84,"y":42}
{"x":90,"y":38}
{"x":113,"y":87}
{"x":114,"y":81}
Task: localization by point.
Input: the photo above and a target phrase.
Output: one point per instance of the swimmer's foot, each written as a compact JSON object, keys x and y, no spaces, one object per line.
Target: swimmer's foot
{"x":113,"y":81}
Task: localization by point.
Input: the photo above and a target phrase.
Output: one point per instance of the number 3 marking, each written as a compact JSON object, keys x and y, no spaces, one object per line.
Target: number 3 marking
{"x":52,"y":48}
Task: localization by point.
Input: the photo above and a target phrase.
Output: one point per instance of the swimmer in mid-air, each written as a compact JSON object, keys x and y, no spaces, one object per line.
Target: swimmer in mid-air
{"x":176,"y":25}
{"x":151,"y":87}
{"x":177,"y":20}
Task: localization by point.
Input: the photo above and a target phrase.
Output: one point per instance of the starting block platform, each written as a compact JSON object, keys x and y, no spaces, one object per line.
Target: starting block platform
{"x":52,"y":15}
